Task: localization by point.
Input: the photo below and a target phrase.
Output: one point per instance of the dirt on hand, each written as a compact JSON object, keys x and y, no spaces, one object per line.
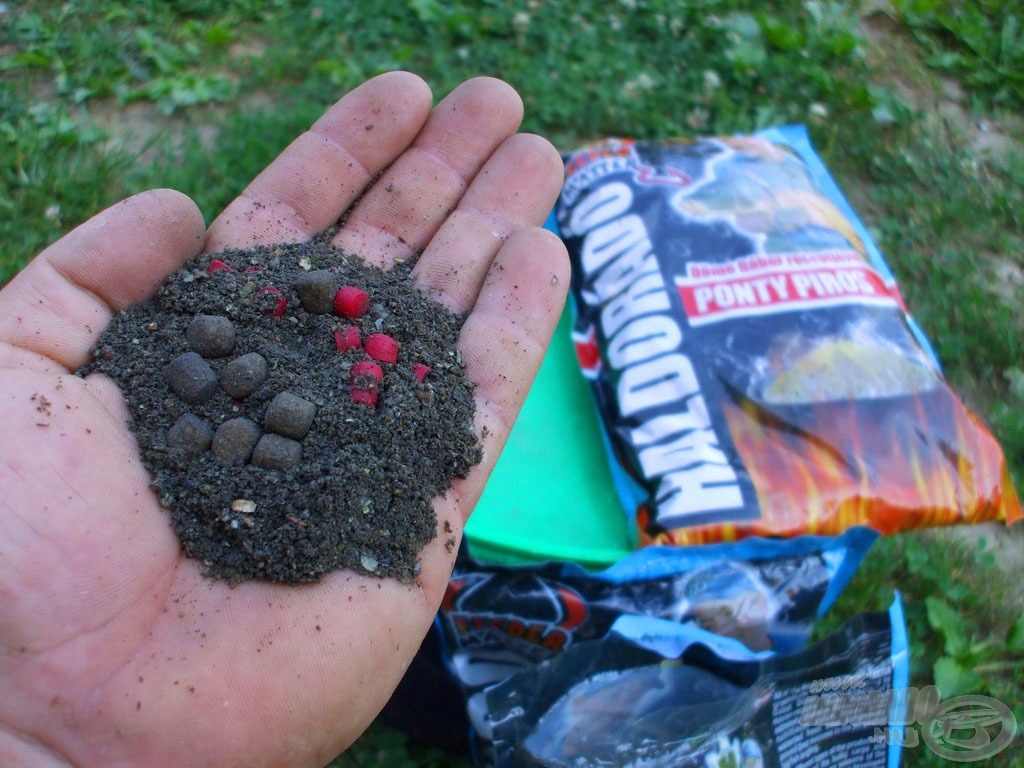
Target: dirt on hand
{"x":298,"y":410}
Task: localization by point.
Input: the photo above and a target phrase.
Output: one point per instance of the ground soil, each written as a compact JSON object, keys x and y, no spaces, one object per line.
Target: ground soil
{"x":361,"y":495}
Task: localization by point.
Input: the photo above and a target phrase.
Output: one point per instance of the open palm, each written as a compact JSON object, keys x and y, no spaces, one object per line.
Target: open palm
{"x":114,"y":649}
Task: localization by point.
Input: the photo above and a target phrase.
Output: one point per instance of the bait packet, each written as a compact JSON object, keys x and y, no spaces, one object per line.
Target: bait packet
{"x":754,"y":367}
{"x":766,"y":594}
{"x":654,"y":694}
{"x":497,"y":620}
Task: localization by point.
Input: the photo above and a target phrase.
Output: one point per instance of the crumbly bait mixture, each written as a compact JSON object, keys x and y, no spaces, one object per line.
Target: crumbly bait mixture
{"x":297,"y":408}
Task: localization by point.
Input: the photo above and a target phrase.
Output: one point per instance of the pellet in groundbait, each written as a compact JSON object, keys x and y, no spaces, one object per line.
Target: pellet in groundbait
{"x":211,"y":335}
{"x":190,"y":435}
{"x":316,"y":290}
{"x":244,"y":375}
{"x":235,"y":439}
{"x":276,"y":452}
{"x":191,"y":378}
{"x":290,"y":416}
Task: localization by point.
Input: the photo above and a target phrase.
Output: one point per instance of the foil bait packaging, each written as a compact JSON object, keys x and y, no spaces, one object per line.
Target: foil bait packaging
{"x":754,"y":367}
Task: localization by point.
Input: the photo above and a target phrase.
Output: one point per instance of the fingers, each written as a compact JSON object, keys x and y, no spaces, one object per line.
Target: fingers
{"x":406,"y":206}
{"x":308,"y":186}
{"x":515,"y":190}
{"x":53,"y":311}
{"x":506,"y":335}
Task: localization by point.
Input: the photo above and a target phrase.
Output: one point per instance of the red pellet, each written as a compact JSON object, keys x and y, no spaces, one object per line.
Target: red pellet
{"x":365,"y":396}
{"x":381,"y":347}
{"x":367,"y":368}
{"x":217,"y":265}
{"x":351,"y":302}
{"x":366,"y":376}
{"x":280,"y":302}
{"x":421,"y":371}
{"x":347,"y":338}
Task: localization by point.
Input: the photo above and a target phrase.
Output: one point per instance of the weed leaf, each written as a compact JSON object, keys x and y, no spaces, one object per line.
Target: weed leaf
{"x":1015,"y":637}
{"x":953,"y":680}
{"x":947,"y":622}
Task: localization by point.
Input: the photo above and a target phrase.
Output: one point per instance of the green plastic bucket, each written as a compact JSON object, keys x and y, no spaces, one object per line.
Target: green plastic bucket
{"x":551,"y":496}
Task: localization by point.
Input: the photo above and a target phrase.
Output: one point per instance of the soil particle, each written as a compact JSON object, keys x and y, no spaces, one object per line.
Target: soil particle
{"x":343,"y":470}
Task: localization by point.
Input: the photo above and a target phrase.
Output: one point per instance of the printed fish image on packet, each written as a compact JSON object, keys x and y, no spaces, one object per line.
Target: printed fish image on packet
{"x":755,"y":369}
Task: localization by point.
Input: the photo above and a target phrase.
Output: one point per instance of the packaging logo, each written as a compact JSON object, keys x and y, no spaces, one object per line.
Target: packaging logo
{"x":532,"y":610}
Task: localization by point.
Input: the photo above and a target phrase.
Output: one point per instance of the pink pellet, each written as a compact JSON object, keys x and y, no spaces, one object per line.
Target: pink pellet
{"x":366,"y":395}
{"x":351,"y":302}
{"x":279,"y":305}
{"x":367,"y":368}
{"x":381,"y":347}
{"x":347,"y":338}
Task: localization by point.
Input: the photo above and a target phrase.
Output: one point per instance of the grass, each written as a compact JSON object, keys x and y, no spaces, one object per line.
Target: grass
{"x":980,"y":43}
{"x":231,"y":82}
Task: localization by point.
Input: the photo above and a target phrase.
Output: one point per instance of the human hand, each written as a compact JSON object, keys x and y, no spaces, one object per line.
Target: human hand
{"x":115,"y":650}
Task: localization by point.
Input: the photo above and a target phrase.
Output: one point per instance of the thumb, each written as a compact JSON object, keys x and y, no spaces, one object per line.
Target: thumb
{"x":54,"y":310}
